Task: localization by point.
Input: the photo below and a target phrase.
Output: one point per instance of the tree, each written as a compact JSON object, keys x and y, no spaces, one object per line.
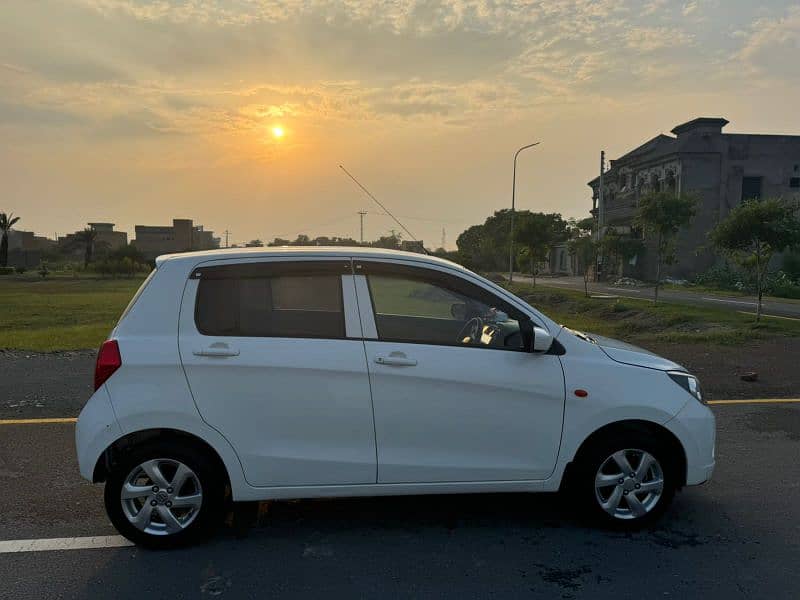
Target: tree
{"x":664,"y":214}
{"x":584,"y":250}
{"x":753,"y":232}
{"x":87,"y":237}
{"x":6,"y":223}
{"x":391,"y":241}
{"x":615,"y":247}
{"x":254,"y":244}
{"x":538,"y":232}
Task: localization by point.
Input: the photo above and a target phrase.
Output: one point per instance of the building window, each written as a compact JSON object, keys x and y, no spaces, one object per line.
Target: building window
{"x":751,"y":188}
{"x":794,"y":182}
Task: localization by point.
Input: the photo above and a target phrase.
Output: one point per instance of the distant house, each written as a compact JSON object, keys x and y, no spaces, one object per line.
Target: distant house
{"x":181,"y":236}
{"x":722,"y":169}
{"x":25,"y":248}
{"x":106,"y":240}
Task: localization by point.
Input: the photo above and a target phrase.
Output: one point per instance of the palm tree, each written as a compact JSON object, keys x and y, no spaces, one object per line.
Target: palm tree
{"x":6,"y":223}
{"x":87,"y":237}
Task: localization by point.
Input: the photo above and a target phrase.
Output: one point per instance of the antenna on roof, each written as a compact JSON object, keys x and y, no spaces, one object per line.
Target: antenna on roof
{"x":386,"y":210}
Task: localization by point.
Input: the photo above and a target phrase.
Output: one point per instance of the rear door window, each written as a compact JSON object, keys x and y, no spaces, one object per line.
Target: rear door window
{"x":301,"y":299}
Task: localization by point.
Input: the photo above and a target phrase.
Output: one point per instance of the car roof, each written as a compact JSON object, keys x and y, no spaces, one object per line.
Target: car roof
{"x":300,"y":251}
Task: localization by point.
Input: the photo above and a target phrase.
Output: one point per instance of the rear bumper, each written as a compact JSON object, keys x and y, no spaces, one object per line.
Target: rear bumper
{"x":96,"y":430}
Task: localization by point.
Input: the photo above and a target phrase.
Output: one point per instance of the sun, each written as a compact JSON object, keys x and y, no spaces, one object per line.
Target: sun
{"x":278,"y":132}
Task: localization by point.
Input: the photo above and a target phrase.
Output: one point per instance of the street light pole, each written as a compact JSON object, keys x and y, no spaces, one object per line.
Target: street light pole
{"x":513,"y":195}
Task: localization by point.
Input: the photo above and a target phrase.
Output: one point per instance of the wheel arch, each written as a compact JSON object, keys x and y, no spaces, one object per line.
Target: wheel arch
{"x":664,"y":435}
{"x":120,"y":446}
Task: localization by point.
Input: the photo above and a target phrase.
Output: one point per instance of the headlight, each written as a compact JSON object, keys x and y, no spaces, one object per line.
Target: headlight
{"x":688,"y":382}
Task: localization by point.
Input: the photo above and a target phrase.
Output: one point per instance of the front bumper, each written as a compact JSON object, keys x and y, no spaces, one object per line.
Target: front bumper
{"x":695,"y":427}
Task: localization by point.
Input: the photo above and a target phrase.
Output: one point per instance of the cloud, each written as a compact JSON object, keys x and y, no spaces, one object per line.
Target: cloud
{"x":771,"y":46}
{"x":649,"y":39}
{"x":689,"y":8}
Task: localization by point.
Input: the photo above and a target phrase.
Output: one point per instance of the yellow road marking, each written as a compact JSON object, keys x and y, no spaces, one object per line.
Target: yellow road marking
{"x":37,"y":421}
{"x":74,"y":419}
{"x":758,"y":401}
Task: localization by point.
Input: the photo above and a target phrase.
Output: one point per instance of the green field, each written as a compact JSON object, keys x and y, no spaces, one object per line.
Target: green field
{"x":72,"y":314}
{"x":61,"y":314}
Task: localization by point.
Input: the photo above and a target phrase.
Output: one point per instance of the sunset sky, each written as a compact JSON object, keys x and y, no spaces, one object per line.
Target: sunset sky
{"x":136,"y":112}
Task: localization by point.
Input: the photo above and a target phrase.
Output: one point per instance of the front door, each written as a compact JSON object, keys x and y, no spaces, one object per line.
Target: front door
{"x":274,"y":360}
{"x":456,"y":396}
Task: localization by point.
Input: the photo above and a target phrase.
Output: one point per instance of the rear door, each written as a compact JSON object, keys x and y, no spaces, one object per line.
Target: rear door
{"x":454,"y":402}
{"x":273,"y":355}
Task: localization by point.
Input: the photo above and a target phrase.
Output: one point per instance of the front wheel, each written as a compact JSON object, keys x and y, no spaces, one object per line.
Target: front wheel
{"x":164,"y":495}
{"x":627,"y":482}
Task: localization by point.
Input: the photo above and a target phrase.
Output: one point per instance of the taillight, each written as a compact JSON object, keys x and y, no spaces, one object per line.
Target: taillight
{"x":108,"y":361}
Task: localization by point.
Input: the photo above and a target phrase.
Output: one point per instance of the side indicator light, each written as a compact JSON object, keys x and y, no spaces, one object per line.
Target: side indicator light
{"x":581,"y":393}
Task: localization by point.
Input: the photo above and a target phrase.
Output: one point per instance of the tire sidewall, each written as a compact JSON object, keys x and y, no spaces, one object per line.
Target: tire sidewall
{"x":211,"y":482}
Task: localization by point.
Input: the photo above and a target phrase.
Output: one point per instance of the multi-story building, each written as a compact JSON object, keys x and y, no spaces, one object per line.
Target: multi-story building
{"x":181,"y":236}
{"x":723,"y":169}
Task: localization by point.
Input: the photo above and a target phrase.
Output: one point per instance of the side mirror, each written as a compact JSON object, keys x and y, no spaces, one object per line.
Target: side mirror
{"x":542,"y":340}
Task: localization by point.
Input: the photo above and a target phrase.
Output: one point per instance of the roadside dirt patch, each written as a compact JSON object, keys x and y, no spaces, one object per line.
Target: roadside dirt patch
{"x":720,"y":367}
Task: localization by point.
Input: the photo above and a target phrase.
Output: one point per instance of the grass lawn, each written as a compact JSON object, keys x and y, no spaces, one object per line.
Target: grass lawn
{"x":641,"y":320}
{"x":72,"y":314}
{"x":61,"y":314}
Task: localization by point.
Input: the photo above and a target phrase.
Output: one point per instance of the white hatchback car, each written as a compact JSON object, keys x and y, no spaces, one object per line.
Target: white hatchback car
{"x":319,"y":372}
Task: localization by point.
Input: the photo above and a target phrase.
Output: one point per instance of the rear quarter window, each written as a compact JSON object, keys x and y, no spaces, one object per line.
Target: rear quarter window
{"x":270,"y":301}
{"x":138,"y":294}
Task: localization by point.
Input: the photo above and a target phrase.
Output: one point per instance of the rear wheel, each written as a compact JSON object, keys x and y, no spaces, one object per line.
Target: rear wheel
{"x":165,"y":494}
{"x":626,"y":481}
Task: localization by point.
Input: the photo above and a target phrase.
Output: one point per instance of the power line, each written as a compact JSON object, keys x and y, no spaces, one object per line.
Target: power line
{"x":367,"y":192}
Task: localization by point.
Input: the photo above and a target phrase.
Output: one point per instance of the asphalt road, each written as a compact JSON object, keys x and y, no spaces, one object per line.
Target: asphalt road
{"x":772,"y":307}
{"x":736,"y":537}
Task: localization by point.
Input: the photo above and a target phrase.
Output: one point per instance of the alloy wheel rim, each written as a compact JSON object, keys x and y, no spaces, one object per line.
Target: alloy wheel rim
{"x":629,"y":484}
{"x":161,"y":496}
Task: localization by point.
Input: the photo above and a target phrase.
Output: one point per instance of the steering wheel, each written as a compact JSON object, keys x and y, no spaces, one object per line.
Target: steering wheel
{"x":474,"y":327}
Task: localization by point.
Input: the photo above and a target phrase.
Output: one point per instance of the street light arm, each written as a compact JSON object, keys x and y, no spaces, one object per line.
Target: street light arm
{"x":513,"y":201}
{"x":525,"y":148}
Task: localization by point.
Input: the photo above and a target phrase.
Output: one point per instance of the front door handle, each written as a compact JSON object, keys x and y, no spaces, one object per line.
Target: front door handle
{"x":215,"y":350}
{"x":395,"y":359}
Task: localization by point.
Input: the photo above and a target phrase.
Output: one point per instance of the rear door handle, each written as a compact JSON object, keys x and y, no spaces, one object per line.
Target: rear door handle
{"x":212,"y":351}
{"x":395,"y":359}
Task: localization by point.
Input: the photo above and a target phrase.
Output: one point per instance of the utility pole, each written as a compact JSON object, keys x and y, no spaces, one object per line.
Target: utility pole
{"x":227,"y":233}
{"x":601,"y":209}
{"x":361,"y":214}
{"x":444,"y":238}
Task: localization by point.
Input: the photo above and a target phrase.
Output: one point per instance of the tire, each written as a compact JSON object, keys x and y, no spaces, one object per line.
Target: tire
{"x":619,"y":500}
{"x":166,"y":517}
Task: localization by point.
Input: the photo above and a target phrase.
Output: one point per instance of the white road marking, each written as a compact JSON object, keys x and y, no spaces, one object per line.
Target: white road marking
{"x":625,"y":290}
{"x":73,"y":543}
{"x":730,"y":301}
{"x":744,"y":312}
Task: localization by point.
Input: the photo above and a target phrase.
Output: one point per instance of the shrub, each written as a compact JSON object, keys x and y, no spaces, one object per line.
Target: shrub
{"x":723,"y":277}
{"x":21,"y":270}
{"x":791,"y":265}
{"x":6,"y":270}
